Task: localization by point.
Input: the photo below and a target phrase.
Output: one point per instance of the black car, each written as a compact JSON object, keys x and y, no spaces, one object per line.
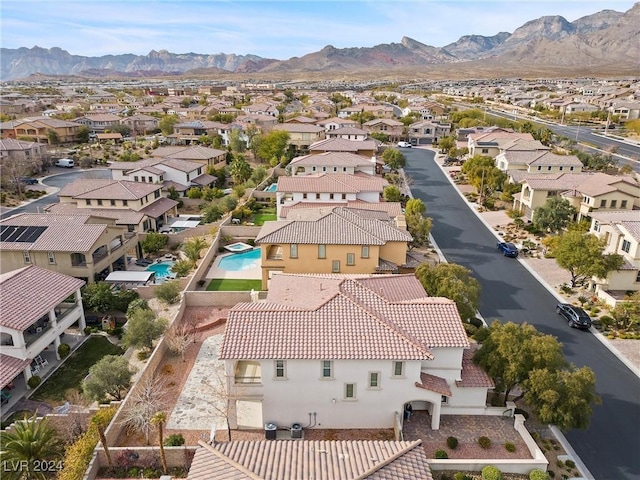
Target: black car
{"x":29,"y":181}
{"x":576,"y":316}
{"x":508,"y":249}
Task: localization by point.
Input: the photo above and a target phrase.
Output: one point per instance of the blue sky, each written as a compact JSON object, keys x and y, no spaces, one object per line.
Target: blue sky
{"x":266,"y":28}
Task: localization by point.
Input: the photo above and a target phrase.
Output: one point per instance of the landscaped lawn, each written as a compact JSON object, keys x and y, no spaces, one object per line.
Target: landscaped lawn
{"x":234,"y":284}
{"x":264,"y":215}
{"x":73,"y":371}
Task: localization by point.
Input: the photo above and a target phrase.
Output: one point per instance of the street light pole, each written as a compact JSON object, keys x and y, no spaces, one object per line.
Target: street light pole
{"x":578,"y":130}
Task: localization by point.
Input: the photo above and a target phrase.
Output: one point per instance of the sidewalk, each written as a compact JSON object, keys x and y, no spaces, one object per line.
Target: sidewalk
{"x":551,"y":276}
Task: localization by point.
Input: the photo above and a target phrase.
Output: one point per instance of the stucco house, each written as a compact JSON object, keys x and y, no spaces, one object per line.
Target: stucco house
{"x":366,"y":148}
{"x":99,"y":122}
{"x":426,"y":132}
{"x":388,"y":126}
{"x":516,"y":162}
{"x":205,"y":156}
{"x":351,"y":350}
{"x":587,"y":192}
{"x":333,"y":162}
{"x":348,"y":133}
{"x":140,"y":124}
{"x":489,"y":142}
{"x":334,"y":239}
{"x":37,"y":305}
{"x":301,"y":135}
{"x":80,"y":246}
{"x":328,"y":187}
{"x":621,"y":233}
{"x":334,"y":123}
{"x":37,"y":129}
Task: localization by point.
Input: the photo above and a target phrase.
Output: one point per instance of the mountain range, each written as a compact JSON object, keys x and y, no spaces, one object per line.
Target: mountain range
{"x":606,"y":43}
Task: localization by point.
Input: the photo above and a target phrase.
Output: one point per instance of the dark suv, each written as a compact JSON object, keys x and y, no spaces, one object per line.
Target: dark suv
{"x":508,"y":249}
{"x":576,"y":316}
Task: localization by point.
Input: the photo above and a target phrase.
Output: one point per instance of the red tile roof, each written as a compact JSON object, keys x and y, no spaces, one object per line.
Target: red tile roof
{"x":473,"y":375}
{"x":332,"y":183}
{"x":434,"y":384}
{"x":311,"y":460}
{"x":29,"y":293}
{"x":10,"y":368}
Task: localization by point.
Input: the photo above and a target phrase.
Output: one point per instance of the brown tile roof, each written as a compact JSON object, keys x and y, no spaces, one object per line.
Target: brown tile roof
{"x":204,"y":179}
{"x":120,"y":190}
{"x":332,"y":183}
{"x":473,"y":375}
{"x":434,"y":384}
{"x":122,"y":216}
{"x":159,"y":207}
{"x":393,"y":209}
{"x":298,"y":128}
{"x":174,"y":163}
{"x":30,"y":292}
{"x":339,"y":226}
{"x":64,"y":233}
{"x":343,"y":145}
{"x":311,"y":460}
{"x":352,"y":321}
{"x":10,"y":368}
{"x":331,"y":159}
{"x":188,"y":153}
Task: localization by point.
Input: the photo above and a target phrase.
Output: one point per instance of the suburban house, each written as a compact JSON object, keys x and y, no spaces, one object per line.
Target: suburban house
{"x":334,"y":239}
{"x":37,"y":306}
{"x":366,"y":148}
{"x":25,"y":153}
{"x":515,"y":162}
{"x":301,"y":135}
{"x":203,"y":155}
{"x":328,"y":187}
{"x":380,"y":111}
{"x":426,"y":132}
{"x":309,"y":460}
{"x":40,"y":129}
{"x":122,"y":197}
{"x":170,"y":172}
{"x":186,"y":132}
{"x":80,"y":246}
{"x":489,"y":142}
{"x":333,"y":162}
{"x":587,"y":192}
{"x":349,"y":352}
{"x":99,"y":122}
{"x":348,"y":133}
{"x":261,"y":109}
{"x":140,"y":124}
{"x":334,"y":123}
{"x":621,"y":232}
{"x":388,"y":126}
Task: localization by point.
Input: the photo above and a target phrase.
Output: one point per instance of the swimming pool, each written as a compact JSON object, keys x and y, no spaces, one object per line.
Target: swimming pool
{"x":237,"y":262}
{"x":272,"y":187}
{"x":162,"y":270}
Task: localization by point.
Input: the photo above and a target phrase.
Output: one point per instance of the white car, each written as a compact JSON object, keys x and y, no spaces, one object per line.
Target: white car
{"x":404,"y":145}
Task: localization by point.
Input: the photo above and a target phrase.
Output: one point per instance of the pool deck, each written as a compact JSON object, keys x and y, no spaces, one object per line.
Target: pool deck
{"x":249,"y":273}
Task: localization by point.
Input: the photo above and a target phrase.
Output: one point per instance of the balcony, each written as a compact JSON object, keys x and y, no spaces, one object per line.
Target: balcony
{"x":248,"y":373}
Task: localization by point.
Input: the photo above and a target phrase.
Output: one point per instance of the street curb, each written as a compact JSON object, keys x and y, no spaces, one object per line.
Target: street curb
{"x":582,"y":468}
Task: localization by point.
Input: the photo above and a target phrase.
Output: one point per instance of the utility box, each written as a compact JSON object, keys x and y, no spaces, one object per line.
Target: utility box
{"x":296,"y":430}
{"x":270,"y":430}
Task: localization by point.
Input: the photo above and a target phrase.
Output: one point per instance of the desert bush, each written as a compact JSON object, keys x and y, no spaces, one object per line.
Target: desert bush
{"x":169,"y":292}
{"x":491,"y":473}
{"x":64,"y":350}
{"x":461,"y":476}
{"x":441,"y":454}
{"x":452,"y":443}
{"x":510,"y":447}
{"x":174,"y":440}
{"x":484,"y":442}
{"x":34,"y":381}
{"x":570,"y":464}
{"x":538,"y":475}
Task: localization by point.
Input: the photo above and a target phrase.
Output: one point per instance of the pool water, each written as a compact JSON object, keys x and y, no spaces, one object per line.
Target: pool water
{"x":240,"y":261}
{"x":272,"y":187}
{"x":162,"y":269}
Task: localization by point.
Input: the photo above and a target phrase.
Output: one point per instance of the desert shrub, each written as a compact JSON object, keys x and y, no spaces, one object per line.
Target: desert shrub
{"x":87,"y":330}
{"x":491,"y":473}
{"x":169,"y":292}
{"x":470,"y":329}
{"x":538,"y":475}
{"x":64,"y":350}
{"x":509,"y":447}
{"x":174,"y":440}
{"x":34,"y":381}
{"x":142,"y":355}
{"x":461,"y":476}
{"x":559,"y":463}
{"x":484,"y":442}
{"x":452,"y":443}
{"x":570,"y":464}
{"x":481,"y":334}
{"x":441,"y":454}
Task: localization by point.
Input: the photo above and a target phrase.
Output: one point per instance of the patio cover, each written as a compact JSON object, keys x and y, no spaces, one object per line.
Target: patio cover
{"x":185,"y":224}
{"x":129,"y":276}
{"x":10,"y":368}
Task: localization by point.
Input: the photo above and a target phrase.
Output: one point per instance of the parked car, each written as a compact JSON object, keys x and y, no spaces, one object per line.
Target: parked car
{"x":65,"y":162}
{"x":404,"y":145}
{"x":575,"y":316}
{"x":29,"y":181}
{"x":508,"y":249}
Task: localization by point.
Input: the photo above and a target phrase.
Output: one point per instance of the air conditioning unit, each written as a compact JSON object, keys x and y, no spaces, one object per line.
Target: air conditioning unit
{"x":296,"y":430}
{"x":270,"y":431}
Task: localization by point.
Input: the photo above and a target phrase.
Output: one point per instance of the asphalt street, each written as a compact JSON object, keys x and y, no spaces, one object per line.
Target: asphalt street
{"x":610,"y":447}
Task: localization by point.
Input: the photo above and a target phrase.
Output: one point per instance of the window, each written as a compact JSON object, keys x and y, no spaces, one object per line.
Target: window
{"x":344,"y":196}
{"x":125,"y":203}
{"x":549,"y":168}
{"x":335,"y":169}
{"x":351,"y":259}
{"x":571,"y":169}
{"x":135,"y":179}
{"x":485,"y":150}
{"x":561,"y":168}
{"x":52,"y":257}
{"x":99,"y":202}
{"x":349,"y":391}
{"x":335,"y":266}
{"x":280,"y":369}
{"x":324,"y":169}
{"x":614,"y":203}
{"x":638,"y":276}
{"x":322,"y":251}
{"x":539,"y":168}
{"x":444,"y":399}
{"x":364,"y":253}
{"x":327,"y":369}
{"x":304,"y":195}
{"x":374,"y":379}
{"x":293,"y":250}
{"x":188,"y":177}
{"x":344,"y":169}
{"x":27,"y":257}
{"x":623,"y":204}
{"x":156,"y":194}
{"x":112,"y":202}
{"x":626,"y":246}
{"x":603,"y":203}
{"x":398,"y":369}
{"x":313,"y":169}
{"x":317,"y":196}
{"x":88,"y":202}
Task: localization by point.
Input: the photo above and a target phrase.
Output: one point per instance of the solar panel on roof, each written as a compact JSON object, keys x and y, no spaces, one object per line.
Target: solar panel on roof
{"x":20,"y":233}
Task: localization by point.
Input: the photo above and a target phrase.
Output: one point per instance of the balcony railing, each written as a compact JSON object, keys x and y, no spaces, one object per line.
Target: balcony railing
{"x":247,"y":380}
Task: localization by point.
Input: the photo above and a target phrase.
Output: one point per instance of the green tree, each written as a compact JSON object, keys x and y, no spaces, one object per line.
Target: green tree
{"x":272,"y":146}
{"x":53,"y":137}
{"x":454,"y":282}
{"x":121,"y":128}
{"x":562,"y":397}
{"x":446,"y":143}
{"x":173,"y":193}
{"x":391,"y":193}
{"x":167,"y":122}
{"x":583,"y":255}
{"x":394,"y":159}
{"x":211,"y":213}
{"x":32,"y":440}
{"x":383,"y":137}
{"x":554,"y":215}
{"x":626,"y":314}
{"x":182,"y":268}
{"x":240,"y":170}
{"x":511,"y":352}
{"x":237,"y":142}
{"x":419,"y":227}
{"x":109,"y":377}
{"x":192,"y":248}
{"x":83,"y":134}
{"x":483,"y":174}
{"x":169,"y":292}
{"x":98,"y":297}
{"x":143,"y":328}
{"x":159,"y":419}
{"x":415,"y":205}
{"x":153,"y":242}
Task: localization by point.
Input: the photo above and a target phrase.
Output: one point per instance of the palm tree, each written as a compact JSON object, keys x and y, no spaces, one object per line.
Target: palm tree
{"x":159,"y":419}
{"x":32,"y":440}
{"x":193,"y":247}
